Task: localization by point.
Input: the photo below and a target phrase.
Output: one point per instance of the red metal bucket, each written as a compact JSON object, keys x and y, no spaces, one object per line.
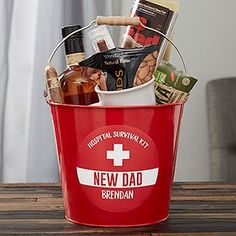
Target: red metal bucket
{"x":116,"y":163}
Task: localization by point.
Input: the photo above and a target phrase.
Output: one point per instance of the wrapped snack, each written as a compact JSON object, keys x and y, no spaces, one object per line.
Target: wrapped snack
{"x":101,"y":39}
{"x":171,"y":85}
{"x":96,"y":75}
{"x":157,"y":14}
{"x":53,"y":84}
{"x":124,"y":68}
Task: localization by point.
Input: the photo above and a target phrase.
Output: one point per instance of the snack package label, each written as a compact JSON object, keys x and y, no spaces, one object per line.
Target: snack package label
{"x":112,"y":171}
{"x":101,"y":39}
{"x":151,"y":15}
{"x":167,"y":94}
{"x":169,"y":75}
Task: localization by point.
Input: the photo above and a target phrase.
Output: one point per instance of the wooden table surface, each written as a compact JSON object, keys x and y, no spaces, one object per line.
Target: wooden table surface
{"x":196,"y":209}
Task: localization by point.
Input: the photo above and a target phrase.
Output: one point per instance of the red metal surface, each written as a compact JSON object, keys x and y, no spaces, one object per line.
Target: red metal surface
{"x":109,"y":157}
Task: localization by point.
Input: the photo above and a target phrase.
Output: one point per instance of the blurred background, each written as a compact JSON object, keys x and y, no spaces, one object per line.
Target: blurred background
{"x":205,"y":34}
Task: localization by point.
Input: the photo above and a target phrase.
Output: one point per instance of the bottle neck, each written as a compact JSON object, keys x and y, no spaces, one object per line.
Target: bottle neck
{"x":74,"y":48}
{"x":74,"y":58}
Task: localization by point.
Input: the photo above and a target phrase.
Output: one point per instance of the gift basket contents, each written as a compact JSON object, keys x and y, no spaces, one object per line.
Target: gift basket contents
{"x":117,"y":116}
{"x":111,"y":68}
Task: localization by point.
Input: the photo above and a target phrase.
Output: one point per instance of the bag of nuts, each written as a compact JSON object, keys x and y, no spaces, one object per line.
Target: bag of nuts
{"x":146,"y":69}
{"x":124,"y":68}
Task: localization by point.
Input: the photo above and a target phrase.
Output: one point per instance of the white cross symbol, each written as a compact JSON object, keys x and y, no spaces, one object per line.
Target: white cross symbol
{"x":118,"y":155}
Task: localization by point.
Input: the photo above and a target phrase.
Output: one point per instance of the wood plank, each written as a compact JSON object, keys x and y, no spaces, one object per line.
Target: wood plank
{"x":204,"y":198}
{"x":25,"y":195}
{"x":216,"y":191}
{"x":196,"y":206}
{"x":16,"y":206}
{"x":29,"y":185}
{"x":50,"y":201}
{"x":209,"y":216}
{"x":32,"y":214}
{"x":207,"y":185}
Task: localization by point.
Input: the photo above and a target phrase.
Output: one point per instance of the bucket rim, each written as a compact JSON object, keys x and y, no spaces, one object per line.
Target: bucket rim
{"x":51,"y":103}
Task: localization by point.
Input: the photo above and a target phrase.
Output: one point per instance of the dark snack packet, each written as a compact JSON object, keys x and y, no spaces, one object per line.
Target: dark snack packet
{"x":123,"y":68}
{"x":172,"y":85}
{"x":152,"y":14}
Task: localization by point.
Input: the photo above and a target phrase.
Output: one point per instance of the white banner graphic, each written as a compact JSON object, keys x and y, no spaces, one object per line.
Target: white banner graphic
{"x":108,"y":179}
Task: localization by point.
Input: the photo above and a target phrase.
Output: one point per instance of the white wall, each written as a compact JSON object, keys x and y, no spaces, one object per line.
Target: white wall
{"x":206,"y":35}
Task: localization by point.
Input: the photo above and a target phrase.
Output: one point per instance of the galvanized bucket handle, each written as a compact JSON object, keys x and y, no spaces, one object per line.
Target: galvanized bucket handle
{"x":121,"y":21}
{"x":116,"y":21}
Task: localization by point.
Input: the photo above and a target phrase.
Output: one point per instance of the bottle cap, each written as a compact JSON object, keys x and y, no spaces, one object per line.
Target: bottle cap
{"x":73,"y":44}
{"x":71,"y":28}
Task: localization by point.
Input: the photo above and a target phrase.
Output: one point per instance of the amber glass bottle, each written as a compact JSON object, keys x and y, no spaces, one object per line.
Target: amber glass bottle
{"x":77,"y":88}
